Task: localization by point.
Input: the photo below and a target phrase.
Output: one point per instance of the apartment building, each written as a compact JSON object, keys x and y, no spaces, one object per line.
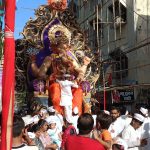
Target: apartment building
{"x":120,"y":31}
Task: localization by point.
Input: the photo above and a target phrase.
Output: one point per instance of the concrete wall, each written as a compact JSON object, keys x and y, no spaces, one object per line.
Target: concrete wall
{"x":142,"y":33}
{"x":133,"y":33}
{"x":136,"y":29}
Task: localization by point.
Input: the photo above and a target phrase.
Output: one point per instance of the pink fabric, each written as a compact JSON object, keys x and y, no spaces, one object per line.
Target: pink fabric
{"x":45,"y":138}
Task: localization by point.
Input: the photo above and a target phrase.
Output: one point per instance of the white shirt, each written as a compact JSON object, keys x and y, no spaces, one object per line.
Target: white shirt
{"x":66,"y":93}
{"x":144,"y":132}
{"x":94,"y":117}
{"x":116,"y":128}
{"x":126,"y":120}
{"x":132,"y":138}
{"x":74,"y":122}
{"x":120,"y":141}
{"x":60,"y":122}
{"x":25,"y":147}
{"x":119,"y":125}
{"x":54,"y":135}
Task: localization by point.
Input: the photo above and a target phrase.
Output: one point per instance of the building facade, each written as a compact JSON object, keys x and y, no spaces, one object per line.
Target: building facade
{"x":120,"y":31}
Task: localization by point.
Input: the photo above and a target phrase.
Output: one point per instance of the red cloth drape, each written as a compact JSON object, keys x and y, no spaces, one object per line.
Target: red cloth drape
{"x":8,"y":75}
{"x":55,"y":94}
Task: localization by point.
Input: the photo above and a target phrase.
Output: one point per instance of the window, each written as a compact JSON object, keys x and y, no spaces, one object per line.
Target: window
{"x":93,"y":23}
{"x":121,"y":65}
{"x":120,"y":13}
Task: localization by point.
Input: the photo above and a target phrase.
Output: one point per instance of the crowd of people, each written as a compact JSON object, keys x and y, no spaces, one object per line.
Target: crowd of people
{"x":46,"y":129}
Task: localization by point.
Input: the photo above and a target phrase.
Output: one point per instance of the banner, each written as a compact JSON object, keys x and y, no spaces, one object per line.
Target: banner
{"x":8,"y":75}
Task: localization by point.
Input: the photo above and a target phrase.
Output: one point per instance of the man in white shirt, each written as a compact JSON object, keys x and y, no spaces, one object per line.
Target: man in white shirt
{"x":130,"y":134}
{"x":115,"y":129}
{"x":119,"y":122}
{"x":144,"y":130}
{"x":66,"y":96}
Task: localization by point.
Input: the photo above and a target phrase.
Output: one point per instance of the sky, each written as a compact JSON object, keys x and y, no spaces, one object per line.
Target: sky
{"x":25,"y":10}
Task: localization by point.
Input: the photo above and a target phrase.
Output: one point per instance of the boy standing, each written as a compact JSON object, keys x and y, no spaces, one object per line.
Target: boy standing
{"x":66,"y":95}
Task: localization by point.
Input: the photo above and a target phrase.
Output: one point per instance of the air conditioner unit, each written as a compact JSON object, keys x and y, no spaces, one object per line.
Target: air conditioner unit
{"x":119,"y":21}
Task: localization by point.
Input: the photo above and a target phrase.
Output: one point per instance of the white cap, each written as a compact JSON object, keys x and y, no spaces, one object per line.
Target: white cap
{"x":51,"y":109}
{"x":67,"y":75}
{"x":51,"y":119}
{"x":106,"y":112}
{"x":75,"y":110}
{"x":43,"y":111}
{"x":138,"y":117}
{"x":48,"y":119}
{"x":144,"y":111}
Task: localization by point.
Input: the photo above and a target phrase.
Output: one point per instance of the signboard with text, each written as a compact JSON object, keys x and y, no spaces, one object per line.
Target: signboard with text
{"x":126,"y":95}
{"x":122,"y":95}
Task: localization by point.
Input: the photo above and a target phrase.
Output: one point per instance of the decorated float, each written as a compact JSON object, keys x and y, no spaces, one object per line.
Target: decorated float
{"x":53,"y":46}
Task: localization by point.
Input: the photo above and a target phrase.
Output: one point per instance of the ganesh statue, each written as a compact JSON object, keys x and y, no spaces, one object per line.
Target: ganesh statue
{"x":56,"y":46}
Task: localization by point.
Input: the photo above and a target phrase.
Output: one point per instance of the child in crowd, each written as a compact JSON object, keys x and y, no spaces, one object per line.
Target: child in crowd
{"x":58,"y":117}
{"x":44,"y":137}
{"x":103,"y":122}
{"x":54,"y":132}
{"x":36,"y":130}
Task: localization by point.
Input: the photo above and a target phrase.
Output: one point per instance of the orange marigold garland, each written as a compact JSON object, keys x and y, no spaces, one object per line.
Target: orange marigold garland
{"x":58,"y":4}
